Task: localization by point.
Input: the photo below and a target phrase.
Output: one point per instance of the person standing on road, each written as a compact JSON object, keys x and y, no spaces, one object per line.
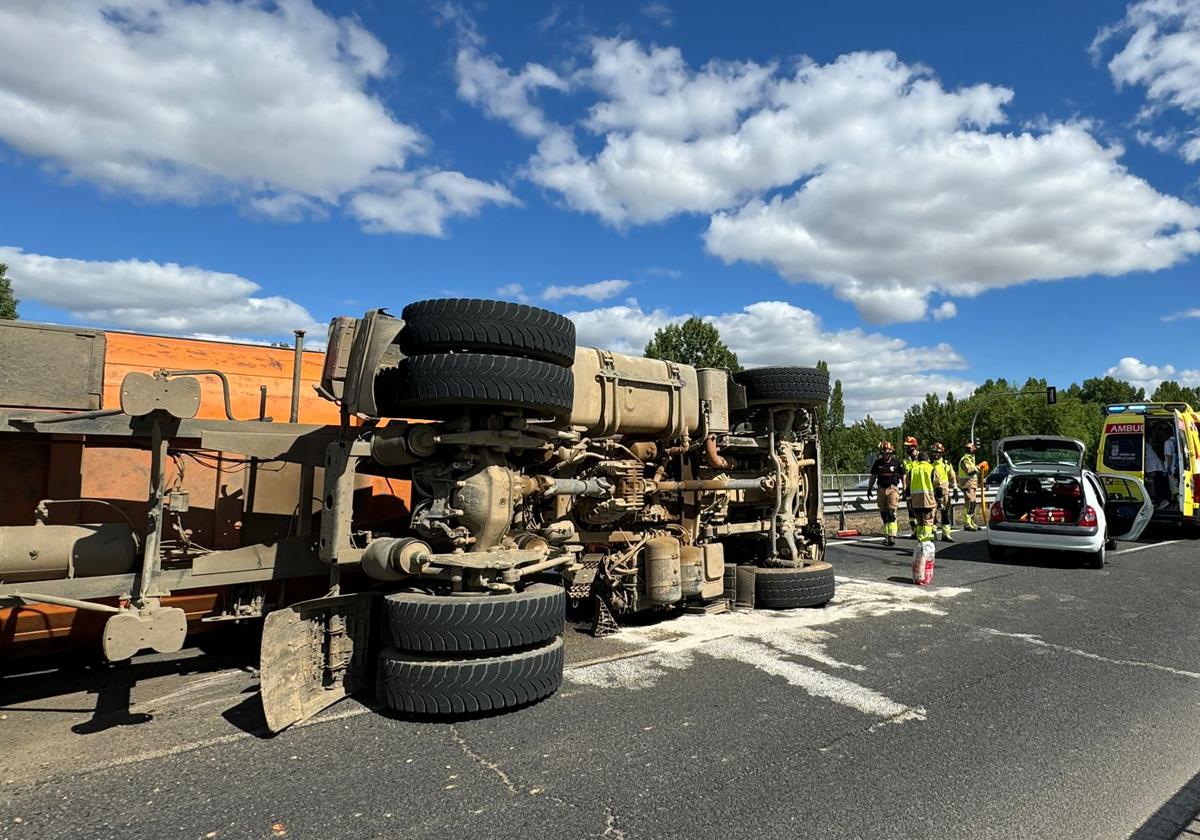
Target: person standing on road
{"x":944,"y":487}
{"x":910,"y":458}
{"x":888,"y":472}
{"x":968,"y":478}
{"x":919,"y":487}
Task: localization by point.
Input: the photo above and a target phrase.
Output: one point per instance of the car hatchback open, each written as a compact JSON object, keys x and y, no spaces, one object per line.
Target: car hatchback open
{"x":1049,"y":501}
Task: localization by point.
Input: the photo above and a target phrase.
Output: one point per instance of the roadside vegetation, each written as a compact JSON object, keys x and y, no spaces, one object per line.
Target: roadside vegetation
{"x":1077,"y":413}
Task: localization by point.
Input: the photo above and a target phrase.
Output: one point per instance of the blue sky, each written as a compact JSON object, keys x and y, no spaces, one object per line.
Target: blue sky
{"x":928,"y":195}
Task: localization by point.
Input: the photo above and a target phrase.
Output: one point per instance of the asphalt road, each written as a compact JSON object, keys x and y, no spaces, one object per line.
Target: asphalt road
{"x":1027,"y":700}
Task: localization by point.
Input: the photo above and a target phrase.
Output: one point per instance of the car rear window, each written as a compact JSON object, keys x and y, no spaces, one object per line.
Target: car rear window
{"x":1123,"y":452}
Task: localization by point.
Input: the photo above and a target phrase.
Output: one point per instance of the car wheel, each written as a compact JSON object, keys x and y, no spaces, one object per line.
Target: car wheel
{"x":420,"y":684}
{"x":456,"y":325}
{"x":996,"y":553}
{"x":785,"y":589}
{"x":1096,"y":559}
{"x":784,"y":385}
{"x":433,"y":385}
{"x":478,"y":623}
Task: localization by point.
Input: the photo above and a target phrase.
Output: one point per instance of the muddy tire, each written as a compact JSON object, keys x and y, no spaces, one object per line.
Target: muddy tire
{"x":418,"y":684}
{"x":785,"y":589}
{"x":478,"y":624}
{"x":430,"y":386}
{"x":784,"y":385}
{"x":457,"y":325}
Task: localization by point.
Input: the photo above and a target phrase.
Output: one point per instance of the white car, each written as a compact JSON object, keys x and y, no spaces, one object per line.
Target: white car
{"x":1049,"y":501}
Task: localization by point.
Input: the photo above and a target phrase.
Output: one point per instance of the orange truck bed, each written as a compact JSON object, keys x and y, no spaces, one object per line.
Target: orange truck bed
{"x":218,"y":485}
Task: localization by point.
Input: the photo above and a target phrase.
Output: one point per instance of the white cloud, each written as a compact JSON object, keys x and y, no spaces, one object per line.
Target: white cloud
{"x":1161,"y":52}
{"x":1135,"y":371}
{"x":267,"y":104}
{"x":1179,"y":316}
{"x":513,"y":291}
{"x":894,"y":187}
{"x":600,"y":290}
{"x":421,"y":202}
{"x":503,"y":94}
{"x":159,"y":297}
{"x":660,"y":13}
{"x":946,"y":310}
{"x":881,"y":376}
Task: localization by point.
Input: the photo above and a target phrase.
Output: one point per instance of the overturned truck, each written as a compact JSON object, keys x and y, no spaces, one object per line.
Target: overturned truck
{"x":541,"y":475}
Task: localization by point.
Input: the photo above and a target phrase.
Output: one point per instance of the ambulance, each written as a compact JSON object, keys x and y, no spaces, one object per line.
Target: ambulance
{"x":1137,"y":435}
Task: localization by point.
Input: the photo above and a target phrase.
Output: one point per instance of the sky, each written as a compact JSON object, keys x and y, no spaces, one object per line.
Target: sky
{"x":924,"y":195}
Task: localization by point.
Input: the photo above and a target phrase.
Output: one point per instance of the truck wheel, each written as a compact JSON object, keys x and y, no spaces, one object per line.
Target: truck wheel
{"x":481,"y":623}
{"x":784,"y":589}
{"x":423,"y":685}
{"x":776,"y":385}
{"x":457,"y":325}
{"x":426,"y":385}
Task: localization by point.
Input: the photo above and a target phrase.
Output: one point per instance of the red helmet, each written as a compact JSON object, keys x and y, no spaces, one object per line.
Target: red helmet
{"x":886,"y":446}
{"x":911,"y":441}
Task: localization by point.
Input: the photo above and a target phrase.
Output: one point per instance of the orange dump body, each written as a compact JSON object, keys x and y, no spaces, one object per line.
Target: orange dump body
{"x":219,"y":485}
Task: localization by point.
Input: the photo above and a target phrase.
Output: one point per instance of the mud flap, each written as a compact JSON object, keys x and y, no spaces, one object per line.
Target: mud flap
{"x":313,"y":654}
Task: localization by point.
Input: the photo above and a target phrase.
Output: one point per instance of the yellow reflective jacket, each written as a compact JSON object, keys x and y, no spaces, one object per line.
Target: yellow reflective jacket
{"x":920,"y":478}
{"x":967,"y":467}
{"x":943,"y":474}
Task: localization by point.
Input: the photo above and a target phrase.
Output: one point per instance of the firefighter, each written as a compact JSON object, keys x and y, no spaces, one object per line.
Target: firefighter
{"x":888,"y":472}
{"x":944,"y":486}
{"x":910,"y":457}
{"x":919,"y":487}
{"x":968,"y":482}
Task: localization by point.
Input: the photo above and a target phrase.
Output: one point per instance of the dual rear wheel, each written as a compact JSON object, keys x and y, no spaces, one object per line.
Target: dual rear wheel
{"x":469,"y":654}
{"x":481,"y":353}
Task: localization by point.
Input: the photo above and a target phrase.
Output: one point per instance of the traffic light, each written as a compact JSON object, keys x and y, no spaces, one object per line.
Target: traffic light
{"x":1051,"y":395}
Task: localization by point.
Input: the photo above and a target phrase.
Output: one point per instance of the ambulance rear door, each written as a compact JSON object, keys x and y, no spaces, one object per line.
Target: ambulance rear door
{"x":1186,"y":465}
{"x":1122,"y":445}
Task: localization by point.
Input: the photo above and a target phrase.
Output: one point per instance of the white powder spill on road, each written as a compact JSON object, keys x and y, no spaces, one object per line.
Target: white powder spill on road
{"x":1038,"y":641}
{"x":768,"y":640}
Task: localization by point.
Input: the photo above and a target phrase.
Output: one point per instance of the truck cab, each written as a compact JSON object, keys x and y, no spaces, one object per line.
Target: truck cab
{"x":1159,"y":444}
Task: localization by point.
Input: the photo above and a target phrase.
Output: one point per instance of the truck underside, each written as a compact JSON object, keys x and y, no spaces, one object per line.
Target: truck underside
{"x":541,"y":475}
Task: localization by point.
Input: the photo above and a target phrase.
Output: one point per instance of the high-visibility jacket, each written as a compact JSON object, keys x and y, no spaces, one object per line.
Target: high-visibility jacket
{"x":967,"y":467}
{"x":920,"y":478}
{"x":907,"y":463}
{"x":942,"y":473}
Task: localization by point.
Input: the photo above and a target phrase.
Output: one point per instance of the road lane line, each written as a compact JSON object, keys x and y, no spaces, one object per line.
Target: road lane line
{"x":1040,"y":642}
{"x":1144,"y":547}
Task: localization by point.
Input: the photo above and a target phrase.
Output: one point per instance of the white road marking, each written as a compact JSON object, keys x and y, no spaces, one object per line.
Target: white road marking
{"x":767,"y":639}
{"x":1040,"y":642}
{"x":853,"y":540}
{"x":1144,"y":547}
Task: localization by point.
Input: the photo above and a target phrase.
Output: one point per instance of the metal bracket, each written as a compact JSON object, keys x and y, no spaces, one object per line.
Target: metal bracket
{"x":158,"y":628}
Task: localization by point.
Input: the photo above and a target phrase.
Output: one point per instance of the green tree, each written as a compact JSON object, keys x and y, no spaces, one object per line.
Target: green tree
{"x":8,"y":303}
{"x":694,"y":342}
{"x":833,"y":428}
{"x":1171,"y":391}
{"x":1108,"y":390}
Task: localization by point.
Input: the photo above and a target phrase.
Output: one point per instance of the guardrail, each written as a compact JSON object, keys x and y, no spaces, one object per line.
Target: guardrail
{"x":856,"y":501}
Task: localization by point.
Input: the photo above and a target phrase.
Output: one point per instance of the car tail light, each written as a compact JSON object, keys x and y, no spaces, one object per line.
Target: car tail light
{"x":997,"y":512}
{"x":1089,"y":518}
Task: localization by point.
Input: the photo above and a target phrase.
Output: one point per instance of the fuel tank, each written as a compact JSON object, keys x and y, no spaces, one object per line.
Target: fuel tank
{"x":617,"y":394}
